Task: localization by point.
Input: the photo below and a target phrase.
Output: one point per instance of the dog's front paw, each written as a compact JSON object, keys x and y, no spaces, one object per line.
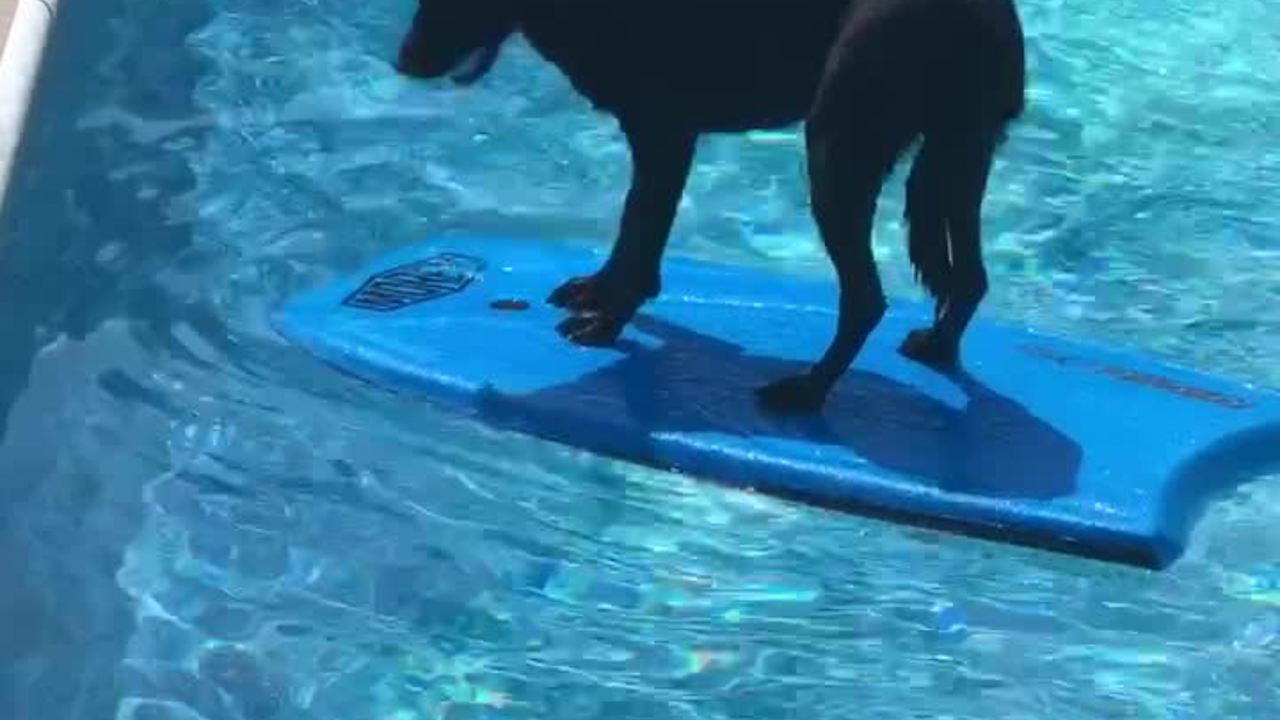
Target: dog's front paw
{"x":602,"y":292}
{"x":591,"y":329}
{"x":927,"y":347}
{"x":579,"y":294}
{"x":795,"y":395}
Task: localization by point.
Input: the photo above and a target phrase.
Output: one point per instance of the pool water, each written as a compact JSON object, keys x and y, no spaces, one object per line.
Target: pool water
{"x":199,"y":521}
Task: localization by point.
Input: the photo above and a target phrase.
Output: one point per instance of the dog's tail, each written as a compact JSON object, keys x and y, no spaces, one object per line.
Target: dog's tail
{"x":944,"y":200}
{"x":926,"y":214}
{"x":975,"y":98}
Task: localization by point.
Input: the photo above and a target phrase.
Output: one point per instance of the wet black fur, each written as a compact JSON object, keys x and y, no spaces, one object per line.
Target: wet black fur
{"x":867,"y":77}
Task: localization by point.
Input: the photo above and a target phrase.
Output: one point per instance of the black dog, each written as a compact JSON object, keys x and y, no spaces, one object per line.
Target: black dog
{"x":867,"y":76}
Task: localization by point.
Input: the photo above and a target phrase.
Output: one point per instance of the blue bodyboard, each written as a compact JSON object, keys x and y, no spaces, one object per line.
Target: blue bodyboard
{"x":1037,"y":440}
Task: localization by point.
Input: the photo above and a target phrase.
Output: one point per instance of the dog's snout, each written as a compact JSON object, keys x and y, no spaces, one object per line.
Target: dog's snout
{"x":412,"y":57}
{"x":409,"y":60}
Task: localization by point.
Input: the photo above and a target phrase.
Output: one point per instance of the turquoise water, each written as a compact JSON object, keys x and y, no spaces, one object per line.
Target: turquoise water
{"x":197,"y":521}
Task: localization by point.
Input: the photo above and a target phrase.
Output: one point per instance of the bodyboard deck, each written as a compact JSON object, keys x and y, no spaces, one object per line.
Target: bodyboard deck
{"x":1038,"y":440}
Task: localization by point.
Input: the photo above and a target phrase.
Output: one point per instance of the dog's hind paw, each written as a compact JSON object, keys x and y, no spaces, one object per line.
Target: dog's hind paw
{"x":795,"y":395}
{"x":928,"y":348}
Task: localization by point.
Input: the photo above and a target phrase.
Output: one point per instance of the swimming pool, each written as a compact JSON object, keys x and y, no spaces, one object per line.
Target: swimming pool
{"x":197,"y":520}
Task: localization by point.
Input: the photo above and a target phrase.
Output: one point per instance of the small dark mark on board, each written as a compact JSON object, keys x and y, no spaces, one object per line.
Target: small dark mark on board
{"x":509,"y":304}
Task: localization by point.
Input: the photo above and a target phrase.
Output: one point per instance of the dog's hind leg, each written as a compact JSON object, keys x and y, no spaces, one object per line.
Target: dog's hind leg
{"x":944,"y":204}
{"x":978,"y":82}
{"x":874,"y":98}
{"x":605,"y":302}
{"x":847,"y":167}
{"x":866,"y":113}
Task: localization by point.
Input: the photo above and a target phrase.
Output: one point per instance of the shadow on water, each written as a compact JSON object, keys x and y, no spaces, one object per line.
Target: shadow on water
{"x":692,"y":383}
{"x":83,"y":235}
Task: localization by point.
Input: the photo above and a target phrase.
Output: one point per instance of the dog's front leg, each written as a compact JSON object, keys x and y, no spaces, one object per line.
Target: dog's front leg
{"x":605,"y":302}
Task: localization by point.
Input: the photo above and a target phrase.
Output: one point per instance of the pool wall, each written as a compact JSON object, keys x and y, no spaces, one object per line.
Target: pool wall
{"x":80,"y":249}
{"x":19,"y":67}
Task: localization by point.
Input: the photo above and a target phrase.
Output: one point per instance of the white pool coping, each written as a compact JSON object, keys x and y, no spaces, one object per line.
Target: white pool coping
{"x":20,"y":59}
